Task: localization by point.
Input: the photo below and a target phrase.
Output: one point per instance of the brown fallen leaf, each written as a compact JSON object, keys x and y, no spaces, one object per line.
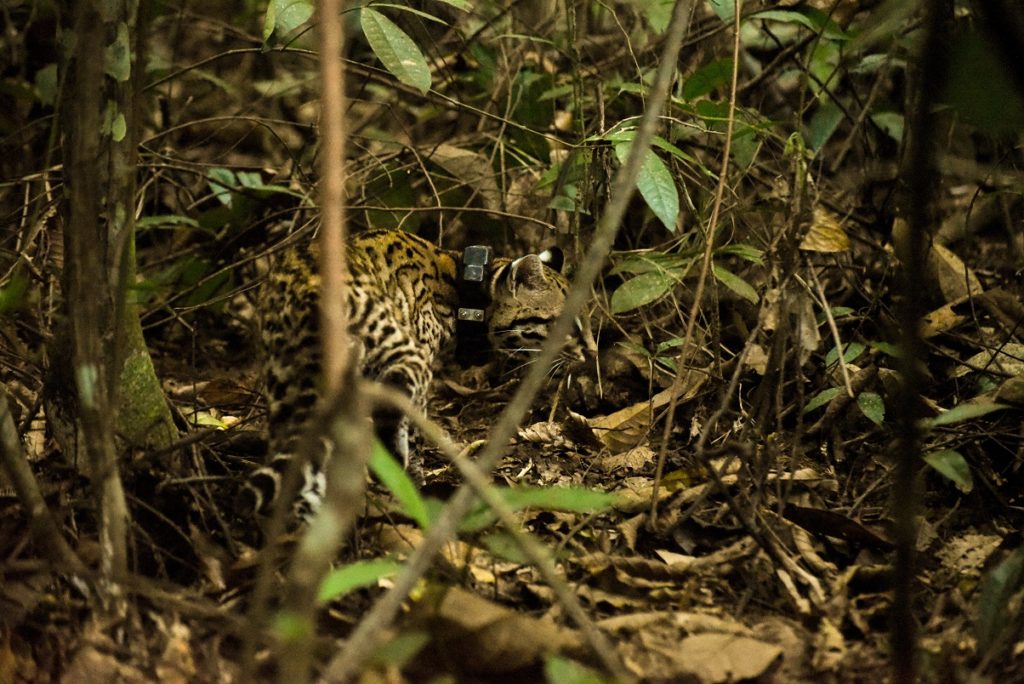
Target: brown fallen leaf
{"x":717,"y":657}
{"x":625,"y":428}
{"x":484,"y":637}
{"x":825,"y":234}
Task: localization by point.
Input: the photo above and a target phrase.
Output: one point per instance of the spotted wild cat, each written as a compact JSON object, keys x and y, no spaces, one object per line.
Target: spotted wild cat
{"x":403,"y":302}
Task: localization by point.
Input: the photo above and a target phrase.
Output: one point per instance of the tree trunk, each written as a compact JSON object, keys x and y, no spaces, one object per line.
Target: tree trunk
{"x":115,"y":396}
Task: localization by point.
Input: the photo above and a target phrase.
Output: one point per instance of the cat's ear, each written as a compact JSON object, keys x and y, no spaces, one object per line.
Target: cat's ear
{"x":553,"y":257}
{"x":528,"y":272}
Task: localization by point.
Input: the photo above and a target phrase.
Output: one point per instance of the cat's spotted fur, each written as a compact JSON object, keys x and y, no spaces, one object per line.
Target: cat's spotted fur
{"x":402,"y":301}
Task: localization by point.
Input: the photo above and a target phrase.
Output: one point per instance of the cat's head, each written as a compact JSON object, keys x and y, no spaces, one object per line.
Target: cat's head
{"x":527,"y":295}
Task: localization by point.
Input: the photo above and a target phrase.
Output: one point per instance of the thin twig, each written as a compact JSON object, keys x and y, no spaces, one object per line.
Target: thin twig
{"x":347,"y":431}
{"x":43,"y":527}
{"x":682,"y":361}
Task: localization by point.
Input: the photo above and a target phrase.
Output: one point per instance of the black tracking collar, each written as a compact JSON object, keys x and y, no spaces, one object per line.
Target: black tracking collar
{"x":472,"y":286}
{"x":474,"y":298}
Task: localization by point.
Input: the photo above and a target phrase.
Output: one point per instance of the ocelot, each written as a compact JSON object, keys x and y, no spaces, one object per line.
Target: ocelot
{"x":403,"y":298}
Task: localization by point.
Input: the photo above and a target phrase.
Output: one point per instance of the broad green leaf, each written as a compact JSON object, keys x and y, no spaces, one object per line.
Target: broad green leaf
{"x":824,"y":65}
{"x":713,"y":76}
{"x":341,"y":581}
{"x":725,"y":9}
{"x":419,"y":13}
{"x":118,"y":63}
{"x":655,"y":185}
{"x":463,"y":5}
{"x":837,"y":313}
{"x":46,"y":84}
{"x":118,"y":127}
{"x":657,"y":14}
{"x":891,"y":124}
{"x":850,"y":353}
{"x":822,"y":398}
{"x":644,"y":289}
{"x":951,"y":465}
{"x":735,"y":283}
{"x":503,"y":545}
{"x":959,"y":414}
{"x":743,"y":251}
{"x":887,"y":348}
{"x":998,"y":589}
{"x":12,"y":293}
{"x":872,"y":406}
{"x":568,"y":499}
{"x":395,"y":49}
{"x":823,"y":124}
{"x":561,"y":670}
{"x":222,"y":182}
{"x":285,"y":16}
{"x":832,"y":31}
{"x":393,"y":476}
{"x":400,"y":649}
{"x":645,"y":262}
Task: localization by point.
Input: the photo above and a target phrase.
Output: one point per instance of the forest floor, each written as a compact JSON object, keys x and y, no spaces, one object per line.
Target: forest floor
{"x":750,"y":541}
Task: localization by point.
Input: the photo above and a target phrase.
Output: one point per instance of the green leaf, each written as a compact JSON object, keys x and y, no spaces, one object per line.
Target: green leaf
{"x":285,"y":16}
{"x":118,"y":127}
{"x":568,"y":499}
{"x":850,"y":352}
{"x":823,"y":124}
{"x":959,"y":414}
{"x":735,"y":283}
{"x":872,"y":406}
{"x":463,"y":5}
{"x":822,"y":398}
{"x":657,"y":14}
{"x":887,"y":348}
{"x":222,"y":182}
{"x":561,"y":670}
{"x":12,"y":293}
{"x":503,"y":545}
{"x":643,"y":289}
{"x":118,"y":64}
{"x":341,"y":581}
{"x":891,"y":124}
{"x":998,"y":588}
{"x":832,"y":31}
{"x":725,"y":9}
{"x":393,"y":476}
{"x":395,"y":49}
{"x":419,"y":13}
{"x":837,"y":313}
{"x":951,"y":465}
{"x":655,"y":185}
{"x":46,"y":84}
{"x":743,"y":251}
{"x":713,"y":76}
{"x":400,"y":649}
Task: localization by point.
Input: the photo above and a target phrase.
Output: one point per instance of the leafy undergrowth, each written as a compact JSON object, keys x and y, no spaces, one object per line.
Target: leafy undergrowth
{"x":749,"y":464}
